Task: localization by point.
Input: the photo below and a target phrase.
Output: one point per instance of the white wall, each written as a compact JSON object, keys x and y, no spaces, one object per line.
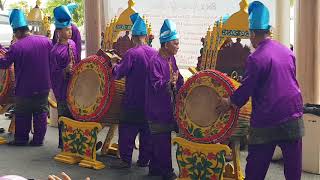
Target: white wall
{"x":191,"y":16}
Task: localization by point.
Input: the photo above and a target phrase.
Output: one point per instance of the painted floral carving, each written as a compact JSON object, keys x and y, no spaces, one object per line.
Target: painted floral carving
{"x":196,"y":165}
{"x":79,"y":141}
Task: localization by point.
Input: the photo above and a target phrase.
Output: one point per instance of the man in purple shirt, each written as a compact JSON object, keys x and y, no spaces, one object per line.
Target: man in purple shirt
{"x":276,"y":119}
{"x":164,"y":81}
{"x":30,"y":56}
{"x":76,"y":36}
{"x":133,"y":67}
{"x":63,"y":57}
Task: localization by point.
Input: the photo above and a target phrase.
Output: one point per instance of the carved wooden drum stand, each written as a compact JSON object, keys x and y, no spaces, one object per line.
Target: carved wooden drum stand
{"x":201,"y":127}
{"x":219,"y":53}
{"x":92,"y":94}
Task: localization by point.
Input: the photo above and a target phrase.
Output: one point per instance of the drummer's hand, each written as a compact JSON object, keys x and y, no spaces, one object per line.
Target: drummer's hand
{"x":68,"y":68}
{"x":175,"y":78}
{"x":2,"y":53}
{"x":64,"y":177}
{"x":224,"y":105}
{"x":114,"y":64}
{"x":67,"y":72}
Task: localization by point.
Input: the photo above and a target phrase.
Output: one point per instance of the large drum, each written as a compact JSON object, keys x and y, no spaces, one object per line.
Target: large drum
{"x":7,"y":86}
{"x":92,"y":94}
{"x":196,"y":108}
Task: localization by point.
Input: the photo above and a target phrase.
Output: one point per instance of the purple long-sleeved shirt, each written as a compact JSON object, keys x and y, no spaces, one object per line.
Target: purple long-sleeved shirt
{"x":59,"y":60}
{"x":134,"y":66}
{"x":76,"y":37}
{"x":270,"y":79}
{"x":30,"y":56}
{"x":158,"y":98}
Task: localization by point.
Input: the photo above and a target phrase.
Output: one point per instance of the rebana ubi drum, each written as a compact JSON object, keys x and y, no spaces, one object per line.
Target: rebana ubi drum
{"x":93,"y":96}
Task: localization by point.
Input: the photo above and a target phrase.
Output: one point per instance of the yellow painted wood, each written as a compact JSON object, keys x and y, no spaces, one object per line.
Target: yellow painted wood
{"x":108,"y":147}
{"x":36,"y":13}
{"x":193,"y":70}
{"x":85,"y":133}
{"x":200,"y":153}
{"x":3,"y":140}
{"x":237,"y":26}
{"x":119,"y":24}
{"x":52,"y":103}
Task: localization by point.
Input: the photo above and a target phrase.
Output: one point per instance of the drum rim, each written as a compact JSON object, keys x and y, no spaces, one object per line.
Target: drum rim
{"x":228,"y":127}
{"x":107,"y":98}
{"x":7,"y":83}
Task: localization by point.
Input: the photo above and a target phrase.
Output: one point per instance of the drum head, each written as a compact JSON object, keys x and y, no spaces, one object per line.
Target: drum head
{"x":89,"y":91}
{"x":196,"y":105}
{"x":86,"y":88}
{"x":200,"y":104}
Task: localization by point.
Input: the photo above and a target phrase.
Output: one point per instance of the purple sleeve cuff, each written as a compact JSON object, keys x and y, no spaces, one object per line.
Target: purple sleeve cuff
{"x":241,"y":96}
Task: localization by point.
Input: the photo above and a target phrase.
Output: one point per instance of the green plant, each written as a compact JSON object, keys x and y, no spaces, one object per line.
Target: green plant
{"x":78,"y":15}
{"x":22,"y":4}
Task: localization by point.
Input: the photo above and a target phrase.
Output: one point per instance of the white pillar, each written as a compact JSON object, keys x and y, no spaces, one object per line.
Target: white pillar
{"x":92,"y":26}
{"x":106,"y":6}
{"x":102,"y":16}
{"x":282,"y":29}
{"x":317,"y":52}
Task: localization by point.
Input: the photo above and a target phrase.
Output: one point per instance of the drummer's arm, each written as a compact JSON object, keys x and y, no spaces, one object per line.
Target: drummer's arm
{"x":7,"y":60}
{"x":180,"y":81}
{"x":248,"y":84}
{"x":124,"y":67}
{"x":156,"y":77}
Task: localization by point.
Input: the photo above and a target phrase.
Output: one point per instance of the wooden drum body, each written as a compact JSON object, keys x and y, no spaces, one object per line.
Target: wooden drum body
{"x":7,"y":86}
{"x":92,"y":94}
{"x":242,"y":128}
{"x":115,"y":110}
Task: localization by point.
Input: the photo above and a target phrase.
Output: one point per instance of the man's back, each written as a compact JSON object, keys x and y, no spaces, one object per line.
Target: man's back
{"x":31,"y":61}
{"x":276,"y":97}
{"x":133,"y":67}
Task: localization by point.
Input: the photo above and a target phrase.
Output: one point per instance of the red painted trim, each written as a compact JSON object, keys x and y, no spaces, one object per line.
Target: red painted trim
{"x":226,"y":132}
{"x":107,"y":98}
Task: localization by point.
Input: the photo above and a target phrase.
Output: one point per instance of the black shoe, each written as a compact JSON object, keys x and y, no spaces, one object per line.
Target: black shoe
{"x":60,"y":144}
{"x":119,"y":164}
{"x":2,"y":130}
{"x":32,"y":143}
{"x":171,"y":176}
{"x":153,"y":173}
{"x":98,"y":145}
{"x":16,"y":143}
{"x":140,"y":164}
{"x":7,"y":114}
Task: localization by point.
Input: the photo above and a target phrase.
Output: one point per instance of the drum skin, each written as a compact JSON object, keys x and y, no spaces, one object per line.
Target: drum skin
{"x":91,"y":89}
{"x":195,"y":108}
